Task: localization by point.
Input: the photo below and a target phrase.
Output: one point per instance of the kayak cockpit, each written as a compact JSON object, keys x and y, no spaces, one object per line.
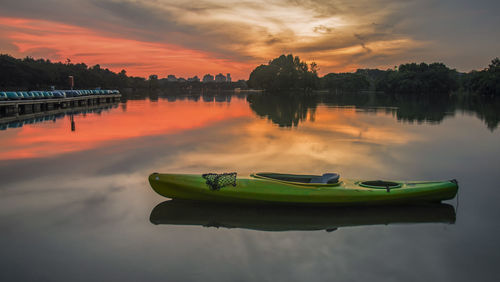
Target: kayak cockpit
{"x":380,"y":184}
{"x":327,"y":178}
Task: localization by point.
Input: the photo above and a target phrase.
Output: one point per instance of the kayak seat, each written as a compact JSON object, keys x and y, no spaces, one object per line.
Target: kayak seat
{"x":327,"y":178}
{"x":381,"y":183}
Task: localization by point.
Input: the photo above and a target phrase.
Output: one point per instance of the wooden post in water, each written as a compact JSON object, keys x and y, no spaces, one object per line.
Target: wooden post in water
{"x":71,"y":81}
{"x":73,"y":127}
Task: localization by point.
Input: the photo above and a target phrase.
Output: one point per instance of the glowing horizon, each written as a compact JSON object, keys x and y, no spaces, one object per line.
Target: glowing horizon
{"x":109,"y":52}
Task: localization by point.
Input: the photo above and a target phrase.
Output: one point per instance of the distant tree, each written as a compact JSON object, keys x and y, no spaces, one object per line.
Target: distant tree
{"x":31,"y":74}
{"x":263,"y":77}
{"x":494,"y":66}
{"x":153,"y":81}
{"x":372,"y":75}
{"x":349,"y":82}
{"x":485,"y":82}
{"x":123,"y":79}
{"x":412,"y":78}
{"x":284,"y":73}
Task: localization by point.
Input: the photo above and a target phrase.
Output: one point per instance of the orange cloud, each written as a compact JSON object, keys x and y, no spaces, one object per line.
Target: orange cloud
{"x":56,"y":41}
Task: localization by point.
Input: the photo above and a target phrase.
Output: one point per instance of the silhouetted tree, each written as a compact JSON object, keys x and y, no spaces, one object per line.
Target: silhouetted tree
{"x":29,"y":73}
{"x":485,"y":82}
{"x":420,"y":78}
{"x":153,"y":81}
{"x":284,"y":73}
{"x":349,"y":82}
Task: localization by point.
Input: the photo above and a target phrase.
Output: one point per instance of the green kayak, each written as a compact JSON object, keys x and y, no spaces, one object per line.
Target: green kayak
{"x":276,"y":188}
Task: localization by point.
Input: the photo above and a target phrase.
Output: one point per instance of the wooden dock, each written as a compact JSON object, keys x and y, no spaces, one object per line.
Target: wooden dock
{"x":15,"y":109}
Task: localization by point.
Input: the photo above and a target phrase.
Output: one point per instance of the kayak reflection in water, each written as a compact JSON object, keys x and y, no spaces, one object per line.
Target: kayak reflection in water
{"x":289,"y":218}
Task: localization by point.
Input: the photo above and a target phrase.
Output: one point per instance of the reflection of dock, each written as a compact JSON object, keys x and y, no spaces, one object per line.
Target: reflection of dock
{"x":18,"y":109}
{"x":284,"y":218}
{"x":70,"y":106}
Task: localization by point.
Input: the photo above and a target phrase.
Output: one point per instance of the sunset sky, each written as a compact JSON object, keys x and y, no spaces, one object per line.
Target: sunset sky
{"x":188,"y":38}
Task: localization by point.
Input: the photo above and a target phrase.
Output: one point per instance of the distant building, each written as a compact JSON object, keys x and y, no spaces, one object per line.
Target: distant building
{"x":228,"y":77}
{"x":220,"y":78}
{"x":171,"y":78}
{"x":194,"y":79}
{"x":208,"y":78}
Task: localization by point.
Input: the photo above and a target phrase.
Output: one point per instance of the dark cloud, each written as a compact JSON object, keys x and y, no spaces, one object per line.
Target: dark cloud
{"x":323,"y":29}
{"x":258,"y":30}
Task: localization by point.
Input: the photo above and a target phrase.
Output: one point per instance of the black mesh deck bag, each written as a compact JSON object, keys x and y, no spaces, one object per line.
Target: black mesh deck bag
{"x":218,"y":180}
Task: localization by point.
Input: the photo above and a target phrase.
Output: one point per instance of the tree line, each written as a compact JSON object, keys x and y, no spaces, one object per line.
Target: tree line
{"x":288,"y":73}
{"x":39,"y":74}
{"x":284,"y":73}
{"x":31,"y":74}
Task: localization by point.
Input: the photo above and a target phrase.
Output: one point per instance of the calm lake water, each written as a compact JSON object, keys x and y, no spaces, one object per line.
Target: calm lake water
{"x":76,"y":205}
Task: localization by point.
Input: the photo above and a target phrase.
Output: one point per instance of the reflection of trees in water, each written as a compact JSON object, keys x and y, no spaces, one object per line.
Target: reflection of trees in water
{"x":172,"y":95}
{"x":291,"y":109}
{"x":409,"y":108}
{"x":195,"y":95}
{"x":425,"y":109}
{"x":486,"y":109}
{"x":286,"y":110}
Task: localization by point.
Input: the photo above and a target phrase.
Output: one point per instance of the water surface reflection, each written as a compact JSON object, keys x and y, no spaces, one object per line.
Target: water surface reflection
{"x":289,"y":109}
{"x":78,"y":204}
{"x":285,"y":218}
